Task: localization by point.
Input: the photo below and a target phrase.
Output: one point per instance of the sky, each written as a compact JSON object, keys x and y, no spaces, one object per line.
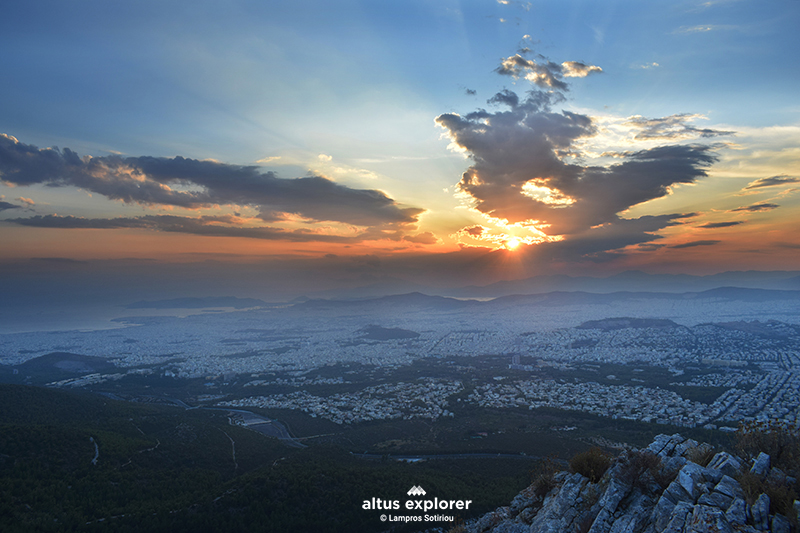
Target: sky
{"x":441,"y":142}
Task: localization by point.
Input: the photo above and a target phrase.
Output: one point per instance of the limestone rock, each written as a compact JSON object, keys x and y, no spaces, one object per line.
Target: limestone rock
{"x":676,"y":493}
{"x":760,"y":465}
{"x":664,"y":445}
{"x":678,"y":518}
{"x":608,"y":503}
{"x":698,"y":500}
{"x":509,"y":526}
{"x":707,"y":519}
{"x":737,"y":513}
{"x":488,"y":521}
{"x":716,"y":499}
{"x":760,"y":512}
{"x":685,"y":446}
{"x":635,"y":516}
{"x":730,"y":487}
{"x":780,"y":524}
{"x":725,"y":463}
{"x":523,"y":500}
{"x":559,"y":511}
{"x":662,"y":513}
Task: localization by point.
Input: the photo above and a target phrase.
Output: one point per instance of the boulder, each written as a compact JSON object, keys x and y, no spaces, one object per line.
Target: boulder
{"x":664,"y":445}
{"x":780,"y":524}
{"x":725,"y":463}
{"x":760,"y":512}
{"x":716,"y":499}
{"x":760,"y":465}
{"x":737,"y":513}
{"x":730,"y":487}
{"x":678,"y":519}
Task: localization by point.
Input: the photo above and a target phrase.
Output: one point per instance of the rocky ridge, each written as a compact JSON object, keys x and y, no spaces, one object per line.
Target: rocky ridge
{"x":657,"y":489}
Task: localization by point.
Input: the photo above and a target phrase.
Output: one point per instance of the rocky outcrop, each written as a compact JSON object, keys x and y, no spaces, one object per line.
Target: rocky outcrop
{"x":654,"y":490}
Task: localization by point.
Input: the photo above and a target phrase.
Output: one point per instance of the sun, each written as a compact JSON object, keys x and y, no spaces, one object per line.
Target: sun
{"x":513,"y":243}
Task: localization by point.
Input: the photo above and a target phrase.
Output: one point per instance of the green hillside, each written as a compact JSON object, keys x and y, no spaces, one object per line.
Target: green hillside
{"x":160,"y":468}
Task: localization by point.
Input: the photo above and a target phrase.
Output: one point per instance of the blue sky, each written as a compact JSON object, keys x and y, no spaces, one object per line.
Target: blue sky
{"x":350,"y":91}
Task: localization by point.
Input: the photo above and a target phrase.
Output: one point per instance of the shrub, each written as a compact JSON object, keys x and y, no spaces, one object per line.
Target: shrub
{"x":636,"y":467}
{"x":781,"y":441}
{"x":781,"y":495}
{"x":591,"y":464}
{"x":544,"y":482}
{"x":701,"y":455}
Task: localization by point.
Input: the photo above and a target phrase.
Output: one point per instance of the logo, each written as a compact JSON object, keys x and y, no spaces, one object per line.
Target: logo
{"x":419,"y":508}
{"x":416,"y":491}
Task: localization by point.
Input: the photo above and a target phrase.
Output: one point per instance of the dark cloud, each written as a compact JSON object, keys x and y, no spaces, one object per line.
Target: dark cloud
{"x":692,"y":244}
{"x":599,"y":243}
{"x":475,"y":231}
{"x":470,"y":92}
{"x":673,"y":127}
{"x":6,"y":205}
{"x":712,"y":225}
{"x":192,"y":183}
{"x":755,"y":208}
{"x":212,"y":226}
{"x":772,"y":182}
{"x":518,"y":173}
{"x":526,"y":165}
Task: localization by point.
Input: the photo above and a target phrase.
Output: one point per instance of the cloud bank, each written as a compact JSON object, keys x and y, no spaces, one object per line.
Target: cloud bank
{"x":192,"y":184}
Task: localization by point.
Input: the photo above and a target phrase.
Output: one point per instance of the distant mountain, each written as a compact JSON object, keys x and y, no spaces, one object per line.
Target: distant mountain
{"x":198,"y":303}
{"x":632,"y":281}
{"x":556,"y":298}
{"x":629,"y":281}
{"x":414,"y":299}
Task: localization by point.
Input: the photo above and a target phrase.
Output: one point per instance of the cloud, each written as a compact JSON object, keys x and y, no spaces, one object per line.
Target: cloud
{"x":212,"y":226}
{"x":693,"y":244}
{"x":712,"y":225}
{"x":26,"y":201}
{"x":518,"y":173}
{"x":422,"y":238}
{"x":475,"y":231}
{"x":192,"y":183}
{"x":547,"y":74}
{"x":704,"y":28}
{"x":647,"y":66}
{"x":470,"y":92}
{"x":576,"y":69}
{"x":755,"y":208}
{"x":527,"y":168}
{"x":772,"y":182}
{"x":5,"y":206}
{"x":673,"y":127}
